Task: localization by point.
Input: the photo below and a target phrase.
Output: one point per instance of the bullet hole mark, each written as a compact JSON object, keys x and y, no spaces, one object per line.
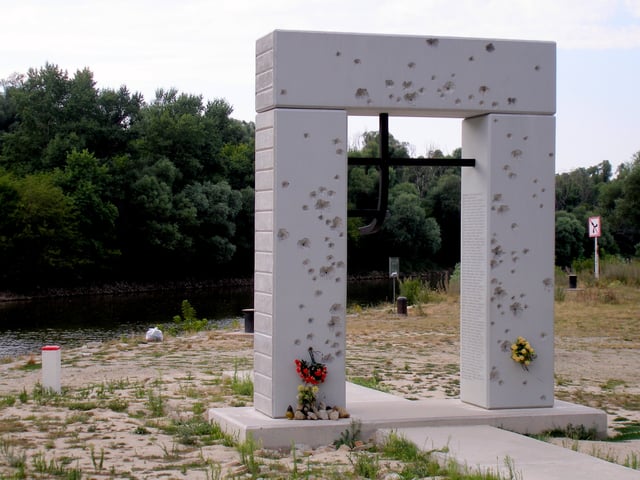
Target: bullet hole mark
{"x":411,"y":64}
{"x":471,"y":58}
{"x":283,"y":92}
{"x":305,"y":207}
{"x":339,"y":151}
{"x":503,"y":208}
{"x":317,"y":293}
{"x":336,"y":307}
{"x":407,"y":84}
{"x":490,"y":47}
{"x":512,"y":100}
{"x":283,"y":234}
{"x":516,"y":153}
{"x":322,"y":204}
{"x":389,"y":83}
{"x":304,"y":243}
{"x":310,"y":320}
{"x":296,"y":341}
{"x":516,"y":308}
{"x":410,"y":97}
{"x":497,"y":197}
{"x":285,"y":183}
{"x":362,"y":93}
{"x":324,"y":271}
{"x":483,"y":89}
{"x":432,"y":42}
{"x":357,"y":61}
{"x":514,"y":226}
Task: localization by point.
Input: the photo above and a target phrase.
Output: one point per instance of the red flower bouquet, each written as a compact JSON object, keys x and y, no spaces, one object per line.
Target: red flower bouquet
{"x":311,"y":372}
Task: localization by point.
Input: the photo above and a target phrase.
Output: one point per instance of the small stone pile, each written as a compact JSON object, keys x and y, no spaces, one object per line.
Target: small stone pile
{"x":319,"y":412}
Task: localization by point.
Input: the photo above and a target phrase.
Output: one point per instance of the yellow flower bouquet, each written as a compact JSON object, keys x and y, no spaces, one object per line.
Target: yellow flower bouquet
{"x":522,"y":352}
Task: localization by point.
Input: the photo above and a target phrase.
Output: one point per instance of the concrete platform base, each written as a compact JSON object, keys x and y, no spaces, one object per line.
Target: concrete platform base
{"x":376,"y":410}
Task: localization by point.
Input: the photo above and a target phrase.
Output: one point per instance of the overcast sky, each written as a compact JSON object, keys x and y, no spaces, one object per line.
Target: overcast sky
{"x":207,"y":47}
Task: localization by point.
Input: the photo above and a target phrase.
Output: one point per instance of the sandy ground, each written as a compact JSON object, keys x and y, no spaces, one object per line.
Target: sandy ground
{"x":126,"y":406}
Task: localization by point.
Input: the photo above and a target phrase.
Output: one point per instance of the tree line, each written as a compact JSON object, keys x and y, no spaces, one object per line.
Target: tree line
{"x":98,"y":185}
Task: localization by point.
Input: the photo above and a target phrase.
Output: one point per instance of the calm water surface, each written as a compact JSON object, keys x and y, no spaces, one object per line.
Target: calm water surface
{"x":26,"y":326}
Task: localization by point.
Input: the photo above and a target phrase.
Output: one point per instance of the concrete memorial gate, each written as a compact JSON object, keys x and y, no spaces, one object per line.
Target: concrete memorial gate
{"x":307,"y":83}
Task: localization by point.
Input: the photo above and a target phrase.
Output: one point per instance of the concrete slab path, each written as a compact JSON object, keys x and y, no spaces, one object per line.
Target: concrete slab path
{"x":486,"y":448}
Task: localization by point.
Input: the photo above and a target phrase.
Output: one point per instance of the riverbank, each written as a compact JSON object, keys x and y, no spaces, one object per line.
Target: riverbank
{"x":132,"y":409}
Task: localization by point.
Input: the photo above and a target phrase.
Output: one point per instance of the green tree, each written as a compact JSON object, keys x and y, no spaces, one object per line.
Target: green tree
{"x":87,"y":183}
{"x":409,"y":232}
{"x":570,"y":233}
{"x":42,"y":224}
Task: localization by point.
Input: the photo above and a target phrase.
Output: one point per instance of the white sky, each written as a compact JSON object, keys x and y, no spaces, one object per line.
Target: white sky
{"x":208,"y":47}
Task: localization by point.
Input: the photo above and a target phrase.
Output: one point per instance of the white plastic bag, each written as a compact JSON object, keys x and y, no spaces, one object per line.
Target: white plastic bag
{"x":154,"y":335}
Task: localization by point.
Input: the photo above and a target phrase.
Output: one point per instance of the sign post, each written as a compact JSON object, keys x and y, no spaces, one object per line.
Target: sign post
{"x":394,"y":271}
{"x":595,"y":230}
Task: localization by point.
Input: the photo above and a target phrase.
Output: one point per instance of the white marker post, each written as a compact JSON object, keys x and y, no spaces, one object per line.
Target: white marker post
{"x":595,"y":231}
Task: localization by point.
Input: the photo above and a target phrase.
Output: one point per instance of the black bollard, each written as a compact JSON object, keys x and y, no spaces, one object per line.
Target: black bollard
{"x":402,"y":305}
{"x":248,"y":319}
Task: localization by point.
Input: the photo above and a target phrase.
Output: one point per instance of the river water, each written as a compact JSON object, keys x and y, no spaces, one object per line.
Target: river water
{"x":25,"y":326}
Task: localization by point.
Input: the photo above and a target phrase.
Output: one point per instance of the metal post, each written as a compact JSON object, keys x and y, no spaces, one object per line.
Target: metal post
{"x":596,"y":262}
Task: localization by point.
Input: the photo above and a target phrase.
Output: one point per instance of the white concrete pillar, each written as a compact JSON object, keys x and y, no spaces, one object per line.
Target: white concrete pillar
{"x":301,"y":253}
{"x":507,"y":263}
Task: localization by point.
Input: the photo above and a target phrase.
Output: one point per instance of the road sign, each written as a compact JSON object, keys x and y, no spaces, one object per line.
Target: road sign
{"x":394,"y":267}
{"x":595,"y":229}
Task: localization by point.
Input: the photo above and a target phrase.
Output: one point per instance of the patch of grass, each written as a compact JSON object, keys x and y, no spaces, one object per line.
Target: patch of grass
{"x":242,"y":386}
{"x":198,"y":431}
{"x":574,"y":432}
{"x":247,"y":451}
{"x":155,"y":403}
{"x":365,"y":464}
{"x":118,"y":405}
{"x":7,"y":401}
{"x":349,"y":436}
{"x":612,"y":383}
{"x":627,"y":431}
{"x":31,"y":365}
{"x":55,"y":467}
{"x":374,"y":381}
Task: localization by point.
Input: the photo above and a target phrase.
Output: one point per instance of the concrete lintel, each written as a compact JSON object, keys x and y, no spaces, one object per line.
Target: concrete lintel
{"x":404,"y":75}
